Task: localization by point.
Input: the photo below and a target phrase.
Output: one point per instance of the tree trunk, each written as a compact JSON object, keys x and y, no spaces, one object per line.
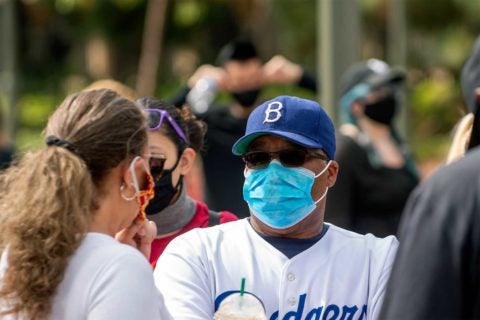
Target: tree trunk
{"x":8,"y":72}
{"x":151,"y":47}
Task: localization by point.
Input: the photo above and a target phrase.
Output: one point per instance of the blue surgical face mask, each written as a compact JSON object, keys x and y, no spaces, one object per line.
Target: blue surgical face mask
{"x":279,"y":196}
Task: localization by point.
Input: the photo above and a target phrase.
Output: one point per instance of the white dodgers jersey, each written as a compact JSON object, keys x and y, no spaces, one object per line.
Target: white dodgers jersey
{"x":342,"y":276}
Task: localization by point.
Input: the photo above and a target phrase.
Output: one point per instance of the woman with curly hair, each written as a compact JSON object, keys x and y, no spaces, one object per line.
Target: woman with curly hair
{"x":63,"y":205}
{"x":176,"y":136}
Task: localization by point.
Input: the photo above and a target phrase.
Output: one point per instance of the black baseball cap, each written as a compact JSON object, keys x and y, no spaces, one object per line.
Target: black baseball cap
{"x":374,"y":72}
{"x":237,"y":50}
{"x":470,"y":80}
{"x":470,"y":77}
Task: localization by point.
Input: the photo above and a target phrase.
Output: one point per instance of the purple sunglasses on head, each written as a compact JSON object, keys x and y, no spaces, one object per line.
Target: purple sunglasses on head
{"x":155,"y":120}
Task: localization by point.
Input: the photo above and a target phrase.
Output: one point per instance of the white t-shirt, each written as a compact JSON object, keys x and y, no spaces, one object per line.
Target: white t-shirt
{"x":106,"y":280}
{"x":342,"y":276}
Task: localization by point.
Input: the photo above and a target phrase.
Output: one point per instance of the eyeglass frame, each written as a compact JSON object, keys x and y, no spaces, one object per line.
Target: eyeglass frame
{"x":308,"y":152}
{"x":156,"y":177}
{"x":173,"y":123}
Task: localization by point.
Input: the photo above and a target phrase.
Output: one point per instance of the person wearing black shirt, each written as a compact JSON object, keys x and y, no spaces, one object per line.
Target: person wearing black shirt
{"x":7,"y":149}
{"x":466,"y":132}
{"x":240,"y":73}
{"x":378,"y":172}
{"x":436,"y":274}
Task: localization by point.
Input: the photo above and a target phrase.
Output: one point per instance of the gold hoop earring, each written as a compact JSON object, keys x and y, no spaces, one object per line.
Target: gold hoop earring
{"x":122,"y":187}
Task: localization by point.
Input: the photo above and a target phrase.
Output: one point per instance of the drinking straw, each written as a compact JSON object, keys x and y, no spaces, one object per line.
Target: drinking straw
{"x":242,"y":287}
{"x":242,"y":291}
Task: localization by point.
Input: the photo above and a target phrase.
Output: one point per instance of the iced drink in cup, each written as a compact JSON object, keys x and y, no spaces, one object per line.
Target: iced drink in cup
{"x":240,"y":307}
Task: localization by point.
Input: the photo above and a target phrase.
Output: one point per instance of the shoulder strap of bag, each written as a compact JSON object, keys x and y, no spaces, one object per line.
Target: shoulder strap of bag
{"x":213,"y":218}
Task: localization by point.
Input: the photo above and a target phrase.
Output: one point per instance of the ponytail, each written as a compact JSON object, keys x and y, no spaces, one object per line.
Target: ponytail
{"x":47,"y":200}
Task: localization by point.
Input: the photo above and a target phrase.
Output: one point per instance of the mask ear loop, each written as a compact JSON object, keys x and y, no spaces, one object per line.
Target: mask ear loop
{"x":135,"y":180}
{"x":318,"y":175}
{"x":323,"y":196}
{"x":246,"y":172}
{"x":134,"y":175}
{"x":324,"y":169}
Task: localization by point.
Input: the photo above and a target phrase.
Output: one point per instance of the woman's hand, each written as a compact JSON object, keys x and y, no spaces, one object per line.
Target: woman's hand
{"x":140,"y":235}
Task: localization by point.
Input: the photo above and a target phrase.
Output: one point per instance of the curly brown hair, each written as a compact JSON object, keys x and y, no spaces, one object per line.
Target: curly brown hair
{"x":193,"y":127}
{"x":49,"y":197}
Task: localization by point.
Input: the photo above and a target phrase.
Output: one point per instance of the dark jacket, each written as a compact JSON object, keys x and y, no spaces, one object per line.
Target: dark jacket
{"x":436,"y":274}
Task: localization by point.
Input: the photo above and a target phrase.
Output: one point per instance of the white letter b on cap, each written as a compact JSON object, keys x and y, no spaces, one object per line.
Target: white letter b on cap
{"x":272,"y":114}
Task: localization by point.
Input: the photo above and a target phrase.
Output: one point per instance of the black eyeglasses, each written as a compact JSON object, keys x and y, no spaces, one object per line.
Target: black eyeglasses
{"x":157,"y":164}
{"x":294,"y":157}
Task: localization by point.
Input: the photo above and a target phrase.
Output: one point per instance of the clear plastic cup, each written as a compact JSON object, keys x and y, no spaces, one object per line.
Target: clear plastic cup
{"x":237,"y":307}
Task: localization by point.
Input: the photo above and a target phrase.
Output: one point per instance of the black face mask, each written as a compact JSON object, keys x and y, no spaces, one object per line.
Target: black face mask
{"x":164,"y":191}
{"x":246,"y":98}
{"x":382,"y":110}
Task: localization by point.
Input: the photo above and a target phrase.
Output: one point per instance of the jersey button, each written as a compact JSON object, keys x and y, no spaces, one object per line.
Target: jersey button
{"x":292,"y":301}
{"x":290,"y":276}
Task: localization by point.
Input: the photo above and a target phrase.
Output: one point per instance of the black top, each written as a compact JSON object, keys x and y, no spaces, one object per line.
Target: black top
{"x":180,"y":97}
{"x":223,"y":170}
{"x":6,"y":156}
{"x":436,"y":274}
{"x":367,"y":199}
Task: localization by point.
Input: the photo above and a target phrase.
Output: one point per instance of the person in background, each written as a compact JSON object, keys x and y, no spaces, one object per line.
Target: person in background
{"x":240,"y":73}
{"x":7,"y":149}
{"x":63,"y":205}
{"x":285,"y":254}
{"x":436,"y":273}
{"x":175,"y":139}
{"x":116,"y":86}
{"x":378,"y":171}
{"x":467,"y":131}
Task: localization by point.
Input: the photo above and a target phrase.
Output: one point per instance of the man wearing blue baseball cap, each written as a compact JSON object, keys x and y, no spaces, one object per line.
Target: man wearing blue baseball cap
{"x":299,"y":266}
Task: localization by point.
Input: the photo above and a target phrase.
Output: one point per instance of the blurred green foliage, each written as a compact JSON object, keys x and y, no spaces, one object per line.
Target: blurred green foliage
{"x":33,"y":111}
{"x":435,"y":106}
{"x":188,"y":13}
{"x":431,"y":148}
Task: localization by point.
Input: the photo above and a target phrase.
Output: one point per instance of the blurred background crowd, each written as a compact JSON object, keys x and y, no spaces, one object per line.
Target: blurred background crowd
{"x":50,"y":48}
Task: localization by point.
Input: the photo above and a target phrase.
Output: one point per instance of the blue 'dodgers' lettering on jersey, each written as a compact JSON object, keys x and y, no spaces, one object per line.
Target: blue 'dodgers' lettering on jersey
{"x":328,"y":312}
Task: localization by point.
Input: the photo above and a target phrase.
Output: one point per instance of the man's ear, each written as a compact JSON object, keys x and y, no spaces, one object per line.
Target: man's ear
{"x":477,"y":95}
{"x":332,"y":173}
{"x":186,"y":161}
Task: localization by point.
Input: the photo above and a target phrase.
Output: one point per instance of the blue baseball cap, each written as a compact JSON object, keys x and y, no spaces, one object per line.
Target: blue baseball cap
{"x":298,"y":120}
